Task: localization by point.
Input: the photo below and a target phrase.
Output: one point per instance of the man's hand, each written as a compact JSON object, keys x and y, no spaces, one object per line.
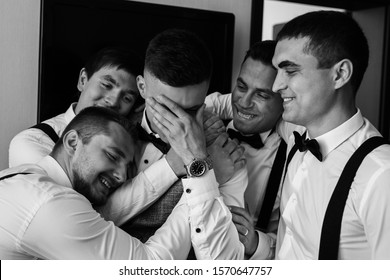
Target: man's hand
{"x":227,"y":157}
{"x":245,"y":227}
{"x":184,"y":133}
{"x":213,"y":126}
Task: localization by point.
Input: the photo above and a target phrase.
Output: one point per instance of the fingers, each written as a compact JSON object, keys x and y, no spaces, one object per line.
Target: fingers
{"x":172,"y":106}
{"x":241,"y":212}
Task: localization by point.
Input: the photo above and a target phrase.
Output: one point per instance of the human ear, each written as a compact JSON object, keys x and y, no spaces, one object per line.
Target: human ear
{"x":83,"y":78}
{"x":343,"y":72}
{"x":141,"y":86}
{"x":70,"y":141}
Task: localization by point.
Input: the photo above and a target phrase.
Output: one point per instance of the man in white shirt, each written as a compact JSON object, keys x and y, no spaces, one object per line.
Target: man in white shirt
{"x":255,"y":110}
{"x":321,"y":58}
{"x":107,"y":80}
{"x":178,"y":66}
{"x":47,"y":209}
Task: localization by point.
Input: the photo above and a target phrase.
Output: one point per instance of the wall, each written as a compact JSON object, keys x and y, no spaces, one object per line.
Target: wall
{"x":19,"y":46}
{"x":368,"y":96}
{"x":242,"y":11}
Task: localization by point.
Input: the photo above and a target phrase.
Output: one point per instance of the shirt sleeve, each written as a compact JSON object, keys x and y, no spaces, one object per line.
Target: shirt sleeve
{"x":138,"y":193}
{"x":220,"y":104}
{"x":233,"y":190}
{"x":67,"y":227}
{"x":29,"y":146}
{"x":213,"y":233}
{"x":374,"y":211}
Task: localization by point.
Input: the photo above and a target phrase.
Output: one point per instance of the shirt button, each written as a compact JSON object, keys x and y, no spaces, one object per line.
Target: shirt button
{"x":188,"y":190}
{"x":198,"y":230}
{"x":146,"y":161}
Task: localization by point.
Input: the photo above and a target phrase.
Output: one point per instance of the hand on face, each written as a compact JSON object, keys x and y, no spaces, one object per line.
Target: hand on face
{"x":213,"y":127}
{"x":184,"y":133}
{"x":246,"y":230}
{"x":227,"y":157}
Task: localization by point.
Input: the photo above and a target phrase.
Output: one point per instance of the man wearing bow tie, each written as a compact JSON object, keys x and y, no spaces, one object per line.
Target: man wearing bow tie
{"x":321,"y":58}
{"x":178,"y":70}
{"x":255,"y":110}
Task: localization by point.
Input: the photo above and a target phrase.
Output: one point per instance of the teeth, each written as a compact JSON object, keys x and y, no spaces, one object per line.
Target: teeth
{"x":105,"y":182}
{"x":245,"y":116}
{"x":287,"y":99}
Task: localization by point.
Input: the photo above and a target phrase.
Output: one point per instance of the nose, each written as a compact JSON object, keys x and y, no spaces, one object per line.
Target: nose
{"x":112,"y":99}
{"x":120,"y":173}
{"x":279,"y":83}
{"x":246,"y":100}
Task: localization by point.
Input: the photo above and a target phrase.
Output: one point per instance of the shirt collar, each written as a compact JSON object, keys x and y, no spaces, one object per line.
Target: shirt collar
{"x":334,"y":138}
{"x":70,"y":114}
{"x":55,"y":171}
{"x":263,"y":135}
{"x":145,"y":125}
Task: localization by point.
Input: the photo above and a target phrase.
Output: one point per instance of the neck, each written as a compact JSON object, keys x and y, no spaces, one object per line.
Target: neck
{"x":334,"y":118}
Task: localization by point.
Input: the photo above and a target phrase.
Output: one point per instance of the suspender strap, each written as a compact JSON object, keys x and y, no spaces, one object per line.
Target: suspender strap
{"x":272,"y":187}
{"x":331,"y":227}
{"x":12,"y":174}
{"x":291,"y":154}
{"x":48,"y":130}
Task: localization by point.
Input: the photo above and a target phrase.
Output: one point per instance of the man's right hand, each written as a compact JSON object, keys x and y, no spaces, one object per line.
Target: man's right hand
{"x":184,"y":133}
{"x":227,"y":157}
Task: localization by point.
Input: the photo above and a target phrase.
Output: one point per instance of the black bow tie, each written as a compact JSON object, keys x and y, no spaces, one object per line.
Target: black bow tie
{"x":157,"y":142}
{"x":254,"y":140}
{"x":304,"y":144}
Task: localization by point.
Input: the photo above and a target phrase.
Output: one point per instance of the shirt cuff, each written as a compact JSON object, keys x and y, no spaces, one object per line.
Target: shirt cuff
{"x":265,"y":248}
{"x":200,"y":189}
{"x":160,"y":174}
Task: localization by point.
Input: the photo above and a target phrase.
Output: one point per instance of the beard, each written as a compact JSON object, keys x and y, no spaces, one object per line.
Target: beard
{"x":86,"y":189}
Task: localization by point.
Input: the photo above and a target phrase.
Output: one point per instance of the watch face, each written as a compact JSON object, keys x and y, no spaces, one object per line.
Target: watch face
{"x":197,"y":168}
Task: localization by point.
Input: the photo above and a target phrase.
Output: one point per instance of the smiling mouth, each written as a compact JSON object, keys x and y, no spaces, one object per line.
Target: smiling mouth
{"x":105,"y":183}
{"x":245,"y":116}
{"x":287,"y":99}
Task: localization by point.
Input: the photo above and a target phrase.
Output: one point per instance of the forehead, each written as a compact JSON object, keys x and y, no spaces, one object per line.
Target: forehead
{"x":291,"y":50}
{"x":256,"y":72}
{"x":186,"y":97}
{"x":118,"y":139}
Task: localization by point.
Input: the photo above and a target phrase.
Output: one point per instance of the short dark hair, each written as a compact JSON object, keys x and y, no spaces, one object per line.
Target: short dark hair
{"x":178,"y":57}
{"x":262,"y":51}
{"x":93,"y":121}
{"x":115,"y":56}
{"x":333,"y":36}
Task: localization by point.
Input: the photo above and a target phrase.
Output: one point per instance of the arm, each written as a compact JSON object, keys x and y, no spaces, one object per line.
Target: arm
{"x":138,"y":193}
{"x":29,"y":146}
{"x":77,"y":231}
{"x":374,"y":211}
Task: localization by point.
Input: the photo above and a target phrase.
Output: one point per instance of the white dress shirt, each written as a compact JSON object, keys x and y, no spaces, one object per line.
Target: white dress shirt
{"x":32,"y":144}
{"x":259,"y":164}
{"x":309,"y":185}
{"x":42,"y":217}
{"x":135,"y":195}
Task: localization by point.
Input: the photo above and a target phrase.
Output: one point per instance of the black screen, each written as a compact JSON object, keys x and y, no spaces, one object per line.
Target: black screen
{"x":71,"y":30}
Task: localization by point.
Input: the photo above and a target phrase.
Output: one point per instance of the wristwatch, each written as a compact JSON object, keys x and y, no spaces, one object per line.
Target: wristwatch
{"x":198,"y":167}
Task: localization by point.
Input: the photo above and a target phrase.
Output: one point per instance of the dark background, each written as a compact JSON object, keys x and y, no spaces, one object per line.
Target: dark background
{"x":71,"y":30}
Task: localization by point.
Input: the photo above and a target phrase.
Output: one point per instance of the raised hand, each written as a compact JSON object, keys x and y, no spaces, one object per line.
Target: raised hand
{"x":227,"y":157}
{"x":213,"y":126}
{"x":184,"y":133}
{"x":246,"y":230}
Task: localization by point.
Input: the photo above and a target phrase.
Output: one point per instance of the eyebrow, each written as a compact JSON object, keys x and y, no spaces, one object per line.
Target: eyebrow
{"x":266,"y":90}
{"x":119,"y":152}
{"x":110,"y":79}
{"x":287,"y":63}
